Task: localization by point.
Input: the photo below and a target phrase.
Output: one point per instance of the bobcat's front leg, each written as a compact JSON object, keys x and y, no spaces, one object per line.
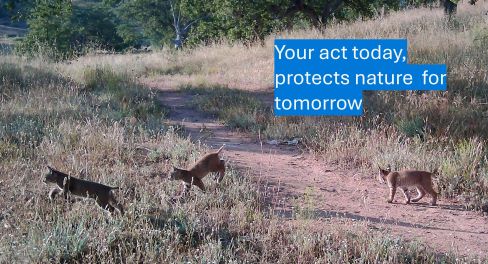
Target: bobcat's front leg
{"x":186,"y":190}
{"x":405,"y":193}
{"x":65,"y":190}
{"x":221,"y":171}
{"x":54,"y":191}
{"x":392,"y":194}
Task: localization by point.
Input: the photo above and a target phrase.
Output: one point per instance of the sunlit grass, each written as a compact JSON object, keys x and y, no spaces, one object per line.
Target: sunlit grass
{"x":97,"y":115}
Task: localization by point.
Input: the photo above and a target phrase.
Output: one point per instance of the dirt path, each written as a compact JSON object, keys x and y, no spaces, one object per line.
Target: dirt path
{"x":339,"y":196}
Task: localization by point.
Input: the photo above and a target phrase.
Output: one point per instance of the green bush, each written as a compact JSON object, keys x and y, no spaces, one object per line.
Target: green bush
{"x":411,"y":128}
{"x":50,"y":30}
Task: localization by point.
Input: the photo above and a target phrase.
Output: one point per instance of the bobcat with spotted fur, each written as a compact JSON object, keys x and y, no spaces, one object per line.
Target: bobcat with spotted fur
{"x":69,"y":184}
{"x":422,"y":180}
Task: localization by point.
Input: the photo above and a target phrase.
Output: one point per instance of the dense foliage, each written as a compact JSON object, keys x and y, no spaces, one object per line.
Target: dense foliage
{"x":50,"y":31}
{"x":62,"y":28}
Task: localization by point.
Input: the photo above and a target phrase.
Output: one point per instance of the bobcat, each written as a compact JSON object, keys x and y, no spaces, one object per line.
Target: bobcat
{"x":68,"y":184}
{"x":422,"y":180}
{"x":208,"y":163}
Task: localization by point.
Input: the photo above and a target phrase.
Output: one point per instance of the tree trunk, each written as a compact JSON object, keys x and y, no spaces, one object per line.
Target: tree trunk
{"x":449,"y":8}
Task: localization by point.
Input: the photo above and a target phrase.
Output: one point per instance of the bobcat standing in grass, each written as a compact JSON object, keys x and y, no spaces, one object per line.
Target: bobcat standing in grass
{"x":209,"y":163}
{"x":68,"y":184}
{"x":422,"y":180}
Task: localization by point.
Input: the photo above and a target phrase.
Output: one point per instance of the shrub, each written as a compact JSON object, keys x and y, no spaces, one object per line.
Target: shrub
{"x":50,"y":30}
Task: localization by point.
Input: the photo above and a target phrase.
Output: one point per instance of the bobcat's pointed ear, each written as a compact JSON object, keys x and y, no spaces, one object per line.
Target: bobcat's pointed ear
{"x":49,"y":167}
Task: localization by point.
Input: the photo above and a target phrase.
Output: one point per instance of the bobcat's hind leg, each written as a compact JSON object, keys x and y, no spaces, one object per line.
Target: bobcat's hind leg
{"x":197,"y":182}
{"x":420,"y":195}
{"x":54,"y":192}
{"x":115,"y":204}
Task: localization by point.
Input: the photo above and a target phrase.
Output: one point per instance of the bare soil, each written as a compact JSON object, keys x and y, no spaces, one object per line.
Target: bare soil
{"x":339,"y":196}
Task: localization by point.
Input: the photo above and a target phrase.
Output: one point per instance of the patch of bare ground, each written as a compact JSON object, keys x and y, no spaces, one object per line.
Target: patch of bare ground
{"x":287,"y":174}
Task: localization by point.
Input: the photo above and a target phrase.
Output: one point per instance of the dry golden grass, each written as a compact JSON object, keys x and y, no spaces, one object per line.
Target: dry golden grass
{"x":93,"y":114}
{"x":430,"y":38}
{"x":103,"y":123}
{"x":398,"y":128}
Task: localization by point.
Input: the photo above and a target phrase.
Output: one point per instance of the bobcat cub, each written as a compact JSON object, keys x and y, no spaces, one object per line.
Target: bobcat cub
{"x":422,"y":180}
{"x":208,"y":163}
{"x":101,"y":193}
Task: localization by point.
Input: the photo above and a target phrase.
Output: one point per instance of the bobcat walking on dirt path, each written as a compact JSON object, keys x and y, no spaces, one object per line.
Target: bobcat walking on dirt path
{"x":422,"y":180}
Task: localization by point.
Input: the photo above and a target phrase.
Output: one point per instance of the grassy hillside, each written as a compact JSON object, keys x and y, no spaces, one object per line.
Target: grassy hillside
{"x":95,"y":114}
{"x":423,"y":130}
{"x":101,"y":122}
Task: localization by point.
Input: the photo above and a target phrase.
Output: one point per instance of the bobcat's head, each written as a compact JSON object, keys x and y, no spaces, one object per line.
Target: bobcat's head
{"x":51,"y":176}
{"x":175,"y":174}
{"x":383,"y":173}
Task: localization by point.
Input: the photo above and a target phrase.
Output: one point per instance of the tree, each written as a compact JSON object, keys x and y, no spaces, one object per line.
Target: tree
{"x":252,"y":21}
{"x":149,"y":19}
{"x":61,"y":28}
{"x":248,"y":21}
{"x":94,"y":24}
{"x":181,"y":26}
{"x":196,"y":21}
{"x":450,"y":7}
{"x":50,"y":29}
{"x":17,"y":8}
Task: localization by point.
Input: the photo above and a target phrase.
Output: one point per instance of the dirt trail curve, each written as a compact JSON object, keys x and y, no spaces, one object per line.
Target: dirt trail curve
{"x":340,"y":196}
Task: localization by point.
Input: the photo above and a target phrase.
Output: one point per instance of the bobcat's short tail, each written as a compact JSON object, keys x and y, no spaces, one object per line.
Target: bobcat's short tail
{"x":114,"y":188}
{"x":220,"y":149}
